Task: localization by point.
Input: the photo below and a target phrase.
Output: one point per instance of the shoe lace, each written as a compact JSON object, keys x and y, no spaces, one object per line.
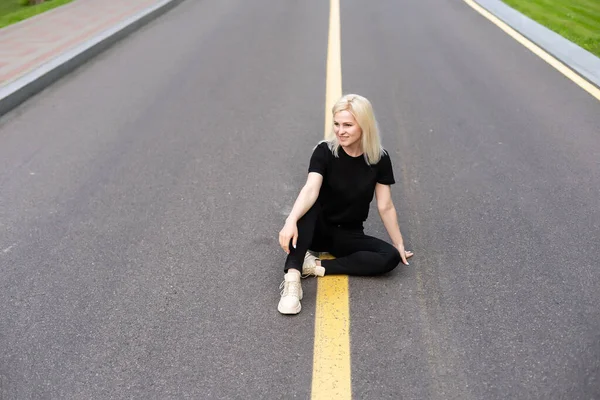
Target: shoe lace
{"x":308,"y":271}
{"x":290,"y":288}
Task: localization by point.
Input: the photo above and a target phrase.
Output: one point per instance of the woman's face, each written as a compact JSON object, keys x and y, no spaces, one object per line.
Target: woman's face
{"x":346,"y":129}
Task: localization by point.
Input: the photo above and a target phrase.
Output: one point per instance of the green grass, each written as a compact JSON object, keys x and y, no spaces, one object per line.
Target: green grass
{"x":12,"y":11}
{"x":576,"y":20}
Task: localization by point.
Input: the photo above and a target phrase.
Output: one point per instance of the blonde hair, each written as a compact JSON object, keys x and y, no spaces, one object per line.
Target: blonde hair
{"x":362,"y":111}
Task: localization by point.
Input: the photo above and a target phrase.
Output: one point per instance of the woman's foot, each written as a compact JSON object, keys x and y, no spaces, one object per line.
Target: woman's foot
{"x":312,"y":266}
{"x":291,"y":293}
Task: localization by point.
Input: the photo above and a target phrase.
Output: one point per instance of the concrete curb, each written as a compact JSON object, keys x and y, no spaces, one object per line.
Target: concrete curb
{"x":37,"y":80}
{"x":584,"y":63}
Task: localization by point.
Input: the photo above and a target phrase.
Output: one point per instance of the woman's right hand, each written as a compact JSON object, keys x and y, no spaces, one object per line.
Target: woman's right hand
{"x":287,"y":233}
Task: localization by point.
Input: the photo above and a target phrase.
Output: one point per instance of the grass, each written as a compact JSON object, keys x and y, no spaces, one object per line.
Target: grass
{"x":12,"y":11}
{"x":576,"y":20}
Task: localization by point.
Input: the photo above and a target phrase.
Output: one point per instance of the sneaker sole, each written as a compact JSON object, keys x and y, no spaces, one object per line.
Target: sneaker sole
{"x":289,"y":311}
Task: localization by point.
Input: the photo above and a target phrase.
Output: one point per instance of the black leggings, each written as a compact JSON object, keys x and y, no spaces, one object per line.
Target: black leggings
{"x":355,"y":252}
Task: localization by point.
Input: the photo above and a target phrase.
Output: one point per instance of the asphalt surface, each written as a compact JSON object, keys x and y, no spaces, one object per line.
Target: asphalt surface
{"x":141,"y":198}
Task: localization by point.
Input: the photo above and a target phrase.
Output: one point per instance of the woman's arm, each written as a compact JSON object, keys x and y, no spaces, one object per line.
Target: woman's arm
{"x":388,"y":215}
{"x":306,"y":199}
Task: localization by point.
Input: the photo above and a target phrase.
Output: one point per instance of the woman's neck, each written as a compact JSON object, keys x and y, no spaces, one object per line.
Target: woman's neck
{"x":354,"y":150}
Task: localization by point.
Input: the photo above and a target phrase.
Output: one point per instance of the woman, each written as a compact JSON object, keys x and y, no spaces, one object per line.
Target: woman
{"x":329,"y":212}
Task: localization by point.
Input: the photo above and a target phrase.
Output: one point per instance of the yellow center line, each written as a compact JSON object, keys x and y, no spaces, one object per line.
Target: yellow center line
{"x":563,"y":69}
{"x":331,"y":360}
{"x":331,"y":363}
{"x":333,"y":89}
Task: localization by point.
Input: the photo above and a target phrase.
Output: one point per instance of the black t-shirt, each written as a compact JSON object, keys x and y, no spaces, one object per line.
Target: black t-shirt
{"x":348,"y":184}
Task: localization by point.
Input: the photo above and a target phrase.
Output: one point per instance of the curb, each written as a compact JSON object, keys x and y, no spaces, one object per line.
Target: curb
{"x":37,"y":80}
{"x":576,"y":58}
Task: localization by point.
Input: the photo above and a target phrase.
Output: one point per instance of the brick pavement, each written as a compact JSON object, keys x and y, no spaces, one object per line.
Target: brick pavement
{"x":35,"y":41}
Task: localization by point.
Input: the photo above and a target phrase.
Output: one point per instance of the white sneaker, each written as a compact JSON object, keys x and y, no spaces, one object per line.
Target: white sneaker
{"x":291,"y":294}
{"x":310,"y":267}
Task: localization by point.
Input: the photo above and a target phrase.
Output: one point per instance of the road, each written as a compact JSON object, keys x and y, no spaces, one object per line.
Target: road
{"x":142,"y":195}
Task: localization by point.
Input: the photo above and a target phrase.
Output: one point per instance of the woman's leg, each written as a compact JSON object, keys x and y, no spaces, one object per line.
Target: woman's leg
{"x":359,"y":254}
{"x":311,"y":235}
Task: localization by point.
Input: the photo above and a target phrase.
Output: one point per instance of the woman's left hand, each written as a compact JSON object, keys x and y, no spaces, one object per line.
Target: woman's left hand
{"x":404,"y":254}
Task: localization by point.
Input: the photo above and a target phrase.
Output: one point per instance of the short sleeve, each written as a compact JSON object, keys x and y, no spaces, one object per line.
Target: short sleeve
{"x":385,"y":173}
{"x":319,"y":158}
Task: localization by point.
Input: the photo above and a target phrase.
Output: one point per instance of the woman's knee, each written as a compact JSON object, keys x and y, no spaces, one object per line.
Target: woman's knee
{"x":392,"y":258}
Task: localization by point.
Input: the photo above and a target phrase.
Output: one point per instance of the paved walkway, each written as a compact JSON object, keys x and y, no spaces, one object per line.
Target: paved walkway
{"x":35,"y":41}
